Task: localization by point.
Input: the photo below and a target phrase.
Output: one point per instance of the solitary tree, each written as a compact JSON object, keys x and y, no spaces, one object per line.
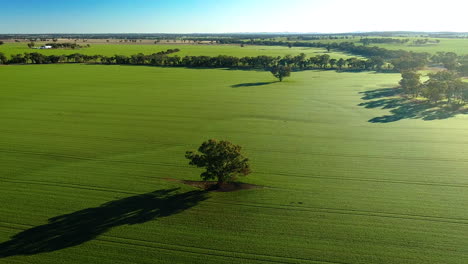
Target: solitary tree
{"x":1,"y":42}
{"x":31,"y":44}
{"x":281,"y":71}
{"x":222,"y":159}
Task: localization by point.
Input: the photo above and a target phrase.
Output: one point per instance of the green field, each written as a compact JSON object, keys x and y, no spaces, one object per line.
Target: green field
{"x":459,"y":46}
{"x":186,"y":50}
{"x":81,"y":144}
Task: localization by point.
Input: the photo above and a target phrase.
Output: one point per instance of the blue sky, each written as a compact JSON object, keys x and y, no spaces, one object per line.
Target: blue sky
{"x":219,"y":16}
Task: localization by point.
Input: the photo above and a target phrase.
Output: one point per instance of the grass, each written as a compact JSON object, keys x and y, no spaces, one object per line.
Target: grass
{"x":190,"y":50}
{"x":85,"y":150}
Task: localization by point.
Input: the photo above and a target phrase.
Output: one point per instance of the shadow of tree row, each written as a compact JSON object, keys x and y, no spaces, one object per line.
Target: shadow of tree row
{"x":251,"y":84}
{"x":79,"y":227}
{"x":403,"y":108}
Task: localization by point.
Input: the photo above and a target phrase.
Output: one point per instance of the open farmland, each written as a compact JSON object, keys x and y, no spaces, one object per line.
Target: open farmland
{"x":86,"y":151}
{"x":185,"y":50}
{"x":458,"y":46}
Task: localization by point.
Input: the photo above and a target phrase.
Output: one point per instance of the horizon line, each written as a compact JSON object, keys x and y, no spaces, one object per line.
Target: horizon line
{"x":253,"y":32}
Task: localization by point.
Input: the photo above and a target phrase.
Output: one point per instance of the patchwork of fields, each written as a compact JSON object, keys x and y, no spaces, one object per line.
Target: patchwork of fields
{"x":86,"y":151}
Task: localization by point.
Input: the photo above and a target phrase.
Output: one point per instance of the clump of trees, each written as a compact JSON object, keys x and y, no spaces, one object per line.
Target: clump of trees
{"x":222,"y":161}
{"x":441,"y":86}
{"x":425,"y":41}
{"x":448,"y":59}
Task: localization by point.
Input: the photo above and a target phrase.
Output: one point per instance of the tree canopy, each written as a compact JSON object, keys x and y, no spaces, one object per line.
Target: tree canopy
{"x":281,"y":72}
{"x":222,"y":159}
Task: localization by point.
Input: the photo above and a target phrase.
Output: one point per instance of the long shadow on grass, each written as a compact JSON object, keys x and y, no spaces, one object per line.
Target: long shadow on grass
{"x":79,"y":227}
{"x":251,"y":84}
{"x":404,"y":108}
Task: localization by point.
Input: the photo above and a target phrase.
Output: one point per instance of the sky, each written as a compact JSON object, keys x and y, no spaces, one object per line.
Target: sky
{"x":228,"y":16}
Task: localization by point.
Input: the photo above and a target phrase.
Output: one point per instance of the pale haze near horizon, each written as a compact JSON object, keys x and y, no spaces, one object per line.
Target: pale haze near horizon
{"x":209,"y":16}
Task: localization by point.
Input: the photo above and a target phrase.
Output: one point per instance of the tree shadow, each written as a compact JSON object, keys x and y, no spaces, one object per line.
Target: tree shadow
{"x":405,"y":108}
{"x":251,"y":84}
{"x":79,"y":227}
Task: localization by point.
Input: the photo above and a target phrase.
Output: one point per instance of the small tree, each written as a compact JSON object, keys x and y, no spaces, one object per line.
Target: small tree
{"x":31,"y":44}
{"x":1,"y":42}
{"x":222,"y":159}
{"x":281,"y":71}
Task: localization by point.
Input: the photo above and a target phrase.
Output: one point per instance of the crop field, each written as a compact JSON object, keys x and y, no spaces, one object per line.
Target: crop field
{"x":90,"y":155}
{"x":185,"y":50}
{"x":459,"y":46}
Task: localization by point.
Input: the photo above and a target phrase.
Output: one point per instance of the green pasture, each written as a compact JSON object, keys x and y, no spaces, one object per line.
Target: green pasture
{"x":350,"y":174}
{"x":459,"y":46}
{"x":185,"y":50}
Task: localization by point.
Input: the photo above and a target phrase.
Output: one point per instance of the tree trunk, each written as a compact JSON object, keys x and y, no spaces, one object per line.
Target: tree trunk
{"x":220,"y":182}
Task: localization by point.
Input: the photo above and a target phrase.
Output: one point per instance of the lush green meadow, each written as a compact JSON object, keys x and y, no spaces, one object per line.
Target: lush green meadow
{"x":344,"y":183}
{"x":185,"y":50}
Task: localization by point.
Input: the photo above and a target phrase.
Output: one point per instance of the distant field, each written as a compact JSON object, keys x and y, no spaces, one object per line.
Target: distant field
{"x":343,"y":183}
{"x":459,"y":46}
{"x":191,"y":50}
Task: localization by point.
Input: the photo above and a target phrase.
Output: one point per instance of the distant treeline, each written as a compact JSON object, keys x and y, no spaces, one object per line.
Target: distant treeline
{"x":65,"y":45}
{"x":368,"y":41}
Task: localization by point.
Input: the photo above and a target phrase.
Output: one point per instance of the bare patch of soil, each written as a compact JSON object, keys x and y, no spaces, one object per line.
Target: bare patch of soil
{"x":212,"y":185}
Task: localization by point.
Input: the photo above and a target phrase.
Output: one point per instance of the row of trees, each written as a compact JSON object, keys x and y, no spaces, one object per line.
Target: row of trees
{"x":443,"y":85}
{"x":65,"y":45}
{"x":299,"y":62}
{"x":59,"y":45}
{"x":368,"y":41}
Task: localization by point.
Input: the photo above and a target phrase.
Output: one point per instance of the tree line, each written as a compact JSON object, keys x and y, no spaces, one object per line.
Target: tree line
{"x":402,"y":61}
{"x":66,"y":45}
{"x":299,"y":62}
{"x":368,"y":41}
